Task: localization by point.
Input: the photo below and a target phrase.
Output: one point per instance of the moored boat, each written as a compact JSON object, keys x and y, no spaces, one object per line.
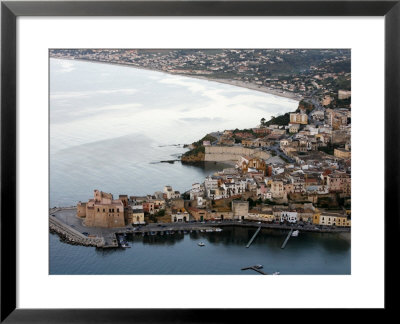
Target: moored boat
{"x":295,"y":233}
{"x":200,"y":244}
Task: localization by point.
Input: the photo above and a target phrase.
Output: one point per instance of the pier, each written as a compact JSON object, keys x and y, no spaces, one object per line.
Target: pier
{"x":254,"y":236}
{"x":287,"y":239}
{"x":255,"y":269}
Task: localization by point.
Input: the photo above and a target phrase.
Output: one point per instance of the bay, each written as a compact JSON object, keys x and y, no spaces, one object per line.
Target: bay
{"x":111,"y":125}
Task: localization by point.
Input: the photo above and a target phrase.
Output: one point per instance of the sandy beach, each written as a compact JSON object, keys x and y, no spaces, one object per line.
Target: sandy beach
{"x":250,"y":86}
{"x":237,"y":83}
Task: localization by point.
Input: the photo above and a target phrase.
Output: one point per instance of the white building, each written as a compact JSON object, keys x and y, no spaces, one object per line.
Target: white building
{"x":180,"y":216}
{"x":169,"y":192}
{"x":277,"y":170}
{"x":196,"y":191}
{"x":210,"y":185}
{"x":290,"y":217}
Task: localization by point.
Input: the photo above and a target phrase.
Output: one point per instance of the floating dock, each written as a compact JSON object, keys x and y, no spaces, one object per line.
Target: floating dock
{"x":254,"y":236}
{"x":287,"y":239}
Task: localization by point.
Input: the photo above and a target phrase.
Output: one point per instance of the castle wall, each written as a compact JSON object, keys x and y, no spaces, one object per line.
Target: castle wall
{"x":231,"y":153}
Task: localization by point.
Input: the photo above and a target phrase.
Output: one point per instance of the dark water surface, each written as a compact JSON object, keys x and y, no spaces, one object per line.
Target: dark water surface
{"x":224,"y":253}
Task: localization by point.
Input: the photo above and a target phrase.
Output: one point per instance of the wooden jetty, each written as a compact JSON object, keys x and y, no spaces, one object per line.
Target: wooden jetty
{"x":287,"y":239}
{"x":255,"y":269}
{"x":254,"y":236}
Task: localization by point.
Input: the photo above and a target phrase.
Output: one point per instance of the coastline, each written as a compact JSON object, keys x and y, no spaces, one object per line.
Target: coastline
{"x":236,"y":83}
{"x":70,"y":230}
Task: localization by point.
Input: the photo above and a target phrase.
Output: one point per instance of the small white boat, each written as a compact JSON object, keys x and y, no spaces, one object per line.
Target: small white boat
{"x":276,"y":273}
{"x":218,"y":229}
{"x":201,"y":244}
{"x":209,"y":230}
{"x":295,"y":233}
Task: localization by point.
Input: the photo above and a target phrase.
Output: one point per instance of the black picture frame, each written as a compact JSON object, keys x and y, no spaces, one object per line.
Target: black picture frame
{"x":10,"y":10}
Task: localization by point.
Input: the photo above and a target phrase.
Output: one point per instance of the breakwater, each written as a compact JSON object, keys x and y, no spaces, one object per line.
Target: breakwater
{"x":72,"y":236}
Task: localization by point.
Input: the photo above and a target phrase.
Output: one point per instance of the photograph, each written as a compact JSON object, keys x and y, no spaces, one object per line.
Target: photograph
{"x":180,"y":146}
{"x":199,"y":161}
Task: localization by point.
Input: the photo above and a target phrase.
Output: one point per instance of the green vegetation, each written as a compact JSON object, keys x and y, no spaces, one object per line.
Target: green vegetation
{"x":208,"y":137}
{"x":254,"y":203}
{"x":198,"y":146}
{"x":341,"y":83}
{"x":237,"y":139}
{"x":195,"y":151}
{"x":160,"y":213}
{"x":186,"y":196}
{"x":250,"y":131}
{"x":329,"y":149}
{"x":308,"y":106}
{"x":282,"y":120}
{"x":151,"y":218}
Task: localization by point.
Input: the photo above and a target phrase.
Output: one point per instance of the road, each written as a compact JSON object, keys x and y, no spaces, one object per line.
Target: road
{"x":68,"y":216}
{"x":275,"y":148}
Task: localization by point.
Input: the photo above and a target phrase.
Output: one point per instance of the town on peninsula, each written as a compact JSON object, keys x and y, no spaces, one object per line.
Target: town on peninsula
{"x":291,"y":171}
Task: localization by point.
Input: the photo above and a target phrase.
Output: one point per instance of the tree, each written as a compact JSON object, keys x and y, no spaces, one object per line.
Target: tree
{"x":262,"y":121}
{"x":252,"y":203}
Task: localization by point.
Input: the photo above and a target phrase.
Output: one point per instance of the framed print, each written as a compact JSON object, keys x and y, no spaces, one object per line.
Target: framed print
{"x":156,"y":151}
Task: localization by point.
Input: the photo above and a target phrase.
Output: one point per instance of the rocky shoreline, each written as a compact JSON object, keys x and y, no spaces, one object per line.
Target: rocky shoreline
{"x":193,"y":158}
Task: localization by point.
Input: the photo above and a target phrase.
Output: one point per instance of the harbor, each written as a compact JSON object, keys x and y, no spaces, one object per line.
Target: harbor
{"x":79,"y":234}
{"x":225,"y":210}
{"x":223,"y":252}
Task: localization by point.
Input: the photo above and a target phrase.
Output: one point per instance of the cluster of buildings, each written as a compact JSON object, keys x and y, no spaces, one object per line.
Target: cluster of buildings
{"x":298,"y":183}
{"x":287,"y":187}
{"x":105,"y":211}
{"x":259,"y":67}
{"x":302,"y":172}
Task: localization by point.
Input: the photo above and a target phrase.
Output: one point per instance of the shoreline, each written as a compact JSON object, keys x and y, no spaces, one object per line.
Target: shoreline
{"x":99,"y":242}
{"x":236,"y":83}
{"x":193,"y":225}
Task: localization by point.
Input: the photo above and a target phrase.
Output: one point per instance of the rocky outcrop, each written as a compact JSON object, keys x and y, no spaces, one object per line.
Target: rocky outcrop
{"x":199,"y":157}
